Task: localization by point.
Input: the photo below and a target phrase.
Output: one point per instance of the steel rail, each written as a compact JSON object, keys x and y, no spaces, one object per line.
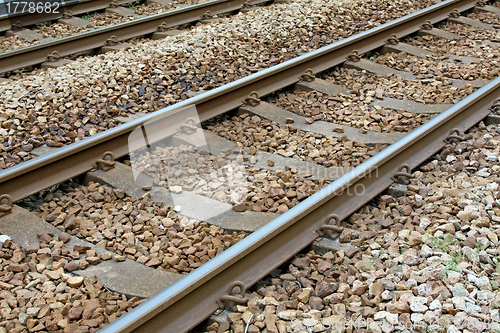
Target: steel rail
{"x":47,"y":170}
{"x":94,"y":39}
{"x":186,"y":302}
{"x":76,"y":7}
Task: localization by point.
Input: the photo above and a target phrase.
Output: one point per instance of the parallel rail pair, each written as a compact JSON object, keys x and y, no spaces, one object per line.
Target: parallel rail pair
{"x":11,"y":15}
{"x":97,"y":38}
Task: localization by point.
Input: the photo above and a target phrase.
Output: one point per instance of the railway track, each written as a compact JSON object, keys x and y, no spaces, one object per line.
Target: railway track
{"x":112,"y":37}
{"x":71,"y":24}
{"x":275,"y":238}
{"x":10,"y":16}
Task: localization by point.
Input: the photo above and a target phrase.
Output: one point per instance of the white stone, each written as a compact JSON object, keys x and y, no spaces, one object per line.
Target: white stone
{"x":458,"y":302}
{"x":411,"y":283}
{"x":488,"y":200}
{"x":434,"y":261}
{"x":495,"y":314}
{"x":483,"y":173}
{"x":424,"y":223}
{"x":471,"y":278}
{"x":482,"y":243}
{"x":3,"y":238}
{"x":268,"y":300}
{"x":484,"y":295}
{"x":491,"y":158}
{"x":185,"y":221}
{"x":435,"y":304}
{"x":492,"y":186}
{"x":176,"y":189}
{"x":426,"y":251}
{"x":33,"y":311}
{"x":495,"y":326}
{"x":22,"y":317}
{"x":424,"y":289}
{"x":287,"y":314}
{"x":310,"y":322}
{"x":380,"y":315}
{"x":458,"y":290}
{"x":386,"y":295}
{"x":470,"y":254}
{"x":430,"y":317}
{"x":416,"y":317}
{"x":75,"y":281}
{"x":417,"y":304}
{"x":386,"y":327}
{"x":472,"y":308}
{"x":450,"y":158}
{"x":375,"y":327}
{"x":483,"y":283}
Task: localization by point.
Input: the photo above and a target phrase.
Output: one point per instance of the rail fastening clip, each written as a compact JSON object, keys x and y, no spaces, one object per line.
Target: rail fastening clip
{"x":403,"y":175}
{"x":307,"y":76}
{"x":455,"y":136}
{"x":5,"y":204}
{"x":253,"y":99}
{"x":232,"y":298}
{"x":107,"y":162}
{"x":331,"y":227}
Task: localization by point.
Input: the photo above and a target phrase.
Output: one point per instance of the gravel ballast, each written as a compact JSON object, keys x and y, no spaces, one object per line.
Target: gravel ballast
{"x":459,"y":47}
{"x":472,"y":33}
{"x":262,"y":134}
{"x":230,"y":178}
{"x":349,"y":110}
{"x":134,"y":228}
{"x":39,"y":292}
{"x":367,"y":85}
{"x":433,"y":68}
